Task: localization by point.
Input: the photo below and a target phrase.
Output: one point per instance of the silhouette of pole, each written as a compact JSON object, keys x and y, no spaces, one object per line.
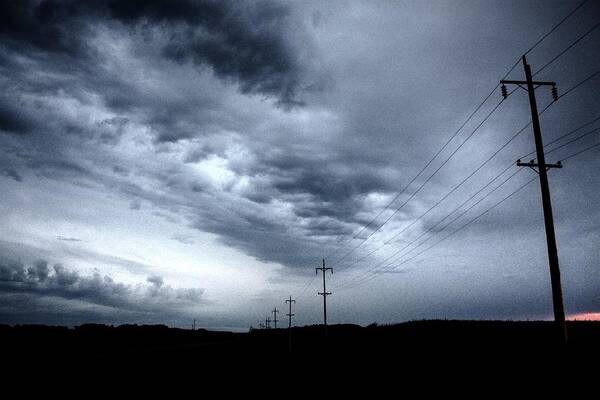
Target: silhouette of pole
{"x":290,"y":315}
{"x":325,"y":293}
{"x":275,"y":311}
{"x":542,"y":170}
{"x":268,"y":323}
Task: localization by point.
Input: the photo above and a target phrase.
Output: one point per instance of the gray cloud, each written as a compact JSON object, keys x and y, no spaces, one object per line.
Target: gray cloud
{"x":183,"y":239}
{"x":12,"y":119}
{"x":40,"y":281}
{"x":243,"y":42}
{"x":68,"y":239}
{"x":11,"y":173}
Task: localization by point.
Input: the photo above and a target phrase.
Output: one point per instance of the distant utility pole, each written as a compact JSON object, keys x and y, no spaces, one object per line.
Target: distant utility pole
{"x":290,"y":315}
{"x":275,"y":311}
{"x":268,"y":323}
{"x":325,"y":293}
{"x":542,"y":170}
{"x":194,"y":325}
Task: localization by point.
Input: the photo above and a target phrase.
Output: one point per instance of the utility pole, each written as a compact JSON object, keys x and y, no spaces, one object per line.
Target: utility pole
{"x":268,"y":323}
{"x":290,"y":315}
{"x":542,"y":170}
{"x":194,"y":325}
{"x":325,"y":293}
{"x":275,"y":311}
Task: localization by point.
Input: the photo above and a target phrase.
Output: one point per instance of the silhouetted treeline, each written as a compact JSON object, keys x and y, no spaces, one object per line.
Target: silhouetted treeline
{"x":502,"y":352}
{"x":101,"y":341}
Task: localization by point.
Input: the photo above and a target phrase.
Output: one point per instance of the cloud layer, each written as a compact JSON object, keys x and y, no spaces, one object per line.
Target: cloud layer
{"x":96,"y":294}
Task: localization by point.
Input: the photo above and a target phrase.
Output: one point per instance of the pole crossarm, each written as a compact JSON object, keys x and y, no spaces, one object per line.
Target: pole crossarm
{"x":533,"y":165}
{"x":537,"y":83}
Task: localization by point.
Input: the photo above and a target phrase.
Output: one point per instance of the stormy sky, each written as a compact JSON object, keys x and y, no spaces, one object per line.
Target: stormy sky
{"x":162,"y":161}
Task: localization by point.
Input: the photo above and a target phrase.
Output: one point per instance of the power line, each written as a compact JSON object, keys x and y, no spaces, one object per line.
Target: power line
{"x":556,"y":26}
{"x":574,"y":140}
{"x":364,"y":279}
{"x":581,"y":152}
{"x":435,"y":205}
{"x":580,"y":83}
{"x":569,"y":47}
{"x":563,"y":136}
{"x":422,"y":169}
{"x":455,"y":231}
{"x":465,"y":140}
{"x":466,"y":121}
{"x":386,"y":262}
{"x":485,"y":186}
{"x":596,"y":145}
{"x":541,"y":69}
{"x":514,"y":136}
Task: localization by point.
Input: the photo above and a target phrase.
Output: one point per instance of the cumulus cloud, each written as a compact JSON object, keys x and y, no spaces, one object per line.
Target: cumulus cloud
{"x":40,"y":281}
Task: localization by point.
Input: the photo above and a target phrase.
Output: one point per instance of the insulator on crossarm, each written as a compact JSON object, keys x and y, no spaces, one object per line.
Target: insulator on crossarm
{"x":554,"y":93}
{"x":504,"y":91}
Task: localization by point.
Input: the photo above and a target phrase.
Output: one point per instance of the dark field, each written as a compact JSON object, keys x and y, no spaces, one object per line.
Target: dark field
{"x":428,"y":356}
{"x":93,"y":344}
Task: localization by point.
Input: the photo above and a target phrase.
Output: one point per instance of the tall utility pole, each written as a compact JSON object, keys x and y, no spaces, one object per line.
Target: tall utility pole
{"x":275,"y":311}
{"x":290,"y":315}
{"x":542,"y":170}
{"x":325,"y":293}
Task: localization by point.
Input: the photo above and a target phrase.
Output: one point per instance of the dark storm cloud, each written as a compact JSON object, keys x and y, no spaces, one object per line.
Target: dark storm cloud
{"x":244,"y":42}
{"x":11,"y":173}
{"x":13,"y":119}
{"x":40,"y":281}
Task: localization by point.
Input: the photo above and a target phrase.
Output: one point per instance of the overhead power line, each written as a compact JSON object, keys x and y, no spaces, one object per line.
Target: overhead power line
{"x":574,"y":140}
{"x":581,"y":152}
{"x":555,"y":140}
{"x":469,"y":118}
{"x":465,"y":140}
{"x":580,"y":83}
{"x":513,"y":137}
{"x":477,"y":217}
{"x":389,"y":260}
{"x":573,"y":155}
{"x":456,"y":133}
{"x":484,"y":187}
{"x":440,"y":150}
{"x":556,"y":26}
{"x":569,"y":47}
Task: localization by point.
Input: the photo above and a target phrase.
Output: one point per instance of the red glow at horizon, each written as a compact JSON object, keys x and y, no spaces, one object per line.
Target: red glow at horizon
{"x":592,"y":316}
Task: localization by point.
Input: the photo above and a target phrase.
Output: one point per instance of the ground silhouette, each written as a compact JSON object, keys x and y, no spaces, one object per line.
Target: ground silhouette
{"x":127,"y":343}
